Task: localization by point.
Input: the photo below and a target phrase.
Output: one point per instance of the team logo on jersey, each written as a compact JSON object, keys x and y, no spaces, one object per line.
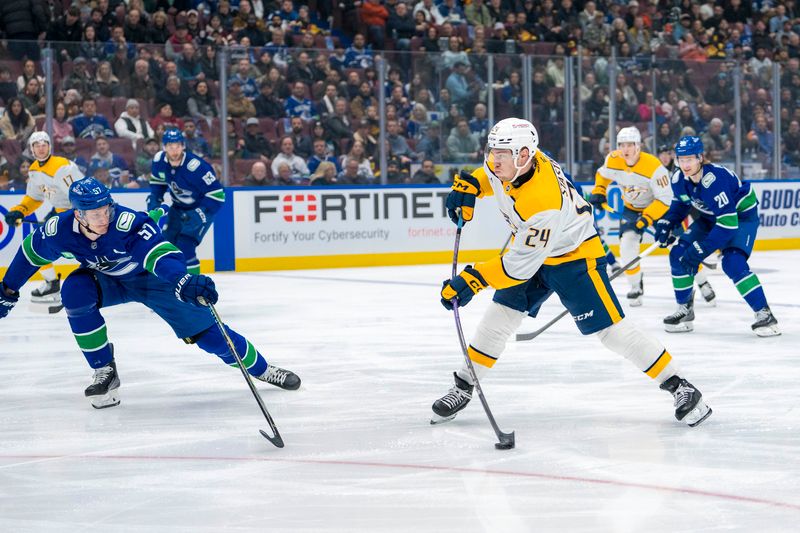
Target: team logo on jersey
{"x":299,"y":207}
{"x":112,"y":267}
{"x":707,"y":180}
{"x":184,"y":197}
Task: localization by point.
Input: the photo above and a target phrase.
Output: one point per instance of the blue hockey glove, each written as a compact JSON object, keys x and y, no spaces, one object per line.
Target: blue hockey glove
{"x":663,"y":232}
{"x":692,"y":257}
{"x":597,"y":200}
{"x":193,"y":286}
{"x":8,"y":299}
{"x":465,"y":189}
{"x":462,"y":287}
{"x":14,"y":217}
{"x":153,"y":202}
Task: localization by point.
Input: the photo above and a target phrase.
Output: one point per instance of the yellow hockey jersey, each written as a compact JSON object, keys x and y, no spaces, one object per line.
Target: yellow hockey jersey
{"x":551,"y":222}
{"x":49,"y":182}
{"x":645,"y":186}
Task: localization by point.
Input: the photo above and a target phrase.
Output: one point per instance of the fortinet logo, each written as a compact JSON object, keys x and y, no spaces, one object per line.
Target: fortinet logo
{"x":299,"y":207}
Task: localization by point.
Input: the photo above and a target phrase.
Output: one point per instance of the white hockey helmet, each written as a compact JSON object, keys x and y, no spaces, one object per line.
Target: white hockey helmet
{"x":513,"y":134}
{"x":40,"y":137}
{"x":629,"y":135}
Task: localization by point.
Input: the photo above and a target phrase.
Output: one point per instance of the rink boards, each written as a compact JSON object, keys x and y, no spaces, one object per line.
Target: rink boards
{"x":305,"y":227}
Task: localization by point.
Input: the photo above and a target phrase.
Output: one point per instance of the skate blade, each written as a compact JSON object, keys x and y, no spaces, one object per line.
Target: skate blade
{"x":635,"y":302}
{"x":109,"y":399}
{"x":683,"y":327}
{"x":436,"y":419}
{"x":768,"y":331}
{"x":696,"y":416}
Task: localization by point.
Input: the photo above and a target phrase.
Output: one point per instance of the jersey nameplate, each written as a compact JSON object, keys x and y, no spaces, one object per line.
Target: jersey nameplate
{"x":124,"y":221}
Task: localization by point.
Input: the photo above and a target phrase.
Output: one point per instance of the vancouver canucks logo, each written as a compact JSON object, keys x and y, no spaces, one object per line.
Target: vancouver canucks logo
{"x":112,"y":267}
{"x":185,"y":197}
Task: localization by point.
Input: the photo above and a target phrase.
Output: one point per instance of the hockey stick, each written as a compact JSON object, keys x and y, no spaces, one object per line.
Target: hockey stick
{"x":505,"y":244}
{"x":529,"y":336}
{"x":276,"y":440}
{"x":506,"y":440}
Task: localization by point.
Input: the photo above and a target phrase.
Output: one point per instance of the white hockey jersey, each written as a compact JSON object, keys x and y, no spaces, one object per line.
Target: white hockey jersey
{"x":645,"y":186}
{"x":49,"y":182}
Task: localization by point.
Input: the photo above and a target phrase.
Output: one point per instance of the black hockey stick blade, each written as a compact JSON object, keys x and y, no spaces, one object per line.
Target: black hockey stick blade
{"x":276,"y":440}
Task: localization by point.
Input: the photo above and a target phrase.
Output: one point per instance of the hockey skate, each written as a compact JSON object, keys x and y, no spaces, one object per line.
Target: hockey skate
{"x":104,"y":390}
{"x":689,"y":404}
{"x":708,"y":294}
{"x":681,"y":320}
{"x":636,"y":293}
{"x":765,"y":325}
{"x":281,"y":378}
{"x":47,"y":297}
{"x":446,"y":407}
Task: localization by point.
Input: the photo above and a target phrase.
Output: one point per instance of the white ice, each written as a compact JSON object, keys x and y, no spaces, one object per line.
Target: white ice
{"x":597,"y":447}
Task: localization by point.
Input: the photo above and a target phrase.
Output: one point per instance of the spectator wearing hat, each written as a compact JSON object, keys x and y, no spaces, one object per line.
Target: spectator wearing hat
{"x":258,"y":176}
{"x":144,"y":159}
{"x":193,"y":26}
{"x":174,"y":45}
{"x":90,"y":125}
{"x":239,"y":106}
{"x":131,"y":124}
{"x":267,"y":104}
{"x":296,"y":164}
{"x":297,"y":105}
{"x":256,"y":145}
{"x":80,"y":79}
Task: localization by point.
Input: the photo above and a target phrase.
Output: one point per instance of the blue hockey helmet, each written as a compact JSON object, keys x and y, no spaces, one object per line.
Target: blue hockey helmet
{"x":689,"y":145}
{"x":88,"y":193}
{"x":172,"y":136}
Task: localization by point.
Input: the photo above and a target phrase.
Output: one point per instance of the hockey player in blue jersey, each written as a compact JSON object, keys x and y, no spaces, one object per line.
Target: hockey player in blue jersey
{"x":728,"y":222}
{"x":196,"y":194}
{"x":124,"y":258}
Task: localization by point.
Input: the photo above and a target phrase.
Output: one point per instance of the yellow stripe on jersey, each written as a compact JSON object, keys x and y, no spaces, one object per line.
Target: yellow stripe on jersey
{"x":589,"y":249}
{"x":481,"y":358}
{"x":483,"y":179}
{"x":602,"y":291}
{"x":659,"y":365}
{"x":494,"y":272}
{"x":27,"y":206}
{"x":51,"y":166}
{"x":540,"y":193}
{"x":655,"y":210}
{"x":646,"y":166}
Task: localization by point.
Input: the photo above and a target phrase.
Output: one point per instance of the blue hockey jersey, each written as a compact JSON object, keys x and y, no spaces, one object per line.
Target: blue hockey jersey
{"x":191,"y":184}
{"x":720,"y":197}
{"x":132,"y":245}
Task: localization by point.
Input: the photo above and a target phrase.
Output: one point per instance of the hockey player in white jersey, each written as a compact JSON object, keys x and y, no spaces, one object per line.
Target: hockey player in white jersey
{"x":49,"y":179}
{"x":555,"y":249}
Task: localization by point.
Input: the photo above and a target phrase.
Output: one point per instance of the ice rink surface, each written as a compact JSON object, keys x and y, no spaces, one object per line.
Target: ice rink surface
{"x":597,"y":449}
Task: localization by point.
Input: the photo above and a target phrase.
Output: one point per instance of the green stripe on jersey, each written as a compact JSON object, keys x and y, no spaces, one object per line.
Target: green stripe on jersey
{"x":729,"y":221}
{"x":748,"y":284}
{"x":92,"y":340}
{"x":747,"y":202}
{"x":680,"y":283}
{"x":31,"y":255}
{"x":157,"y":252}
{"x":218,"y":195}
{"x":249,"y":358}
{"x":157,"y":179}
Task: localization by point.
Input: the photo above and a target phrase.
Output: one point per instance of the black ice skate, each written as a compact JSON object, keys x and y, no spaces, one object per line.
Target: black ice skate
{"x":446,"y":407}
{"x":765,"y":325}
{"x":681,"y":320}
{"x":47,"y":297}
{"x":282,"y":378}
{"x":104,"y":390}
{"x":708,"y":293}
{"x":636,"y":293}
{"x":689,"y":404}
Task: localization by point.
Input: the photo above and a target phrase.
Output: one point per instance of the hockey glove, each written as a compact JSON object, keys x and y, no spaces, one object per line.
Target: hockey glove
{"x":156,"y":214}
{"x":191,"y":287}
{"x":462,"y":287}
{"x":692,"y":257}
{"x":14,"y":218}
{"x":597,"y":200}
{"x":663,"y":232}
{"x":7,"y":301}
{"x":465,"y":188}
{"x":642,"y":222}
{"x":153,"y":202}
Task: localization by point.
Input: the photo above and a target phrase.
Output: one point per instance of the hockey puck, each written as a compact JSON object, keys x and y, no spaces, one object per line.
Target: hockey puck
{"x":504,"y":445}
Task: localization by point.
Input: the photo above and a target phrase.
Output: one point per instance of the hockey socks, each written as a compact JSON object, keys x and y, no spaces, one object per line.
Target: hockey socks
{"x":639,"y":348}
{"x":212,"y":341}
{"x":734,"y":264}
{"x":497,"y":325}
{"x":92,"y":337}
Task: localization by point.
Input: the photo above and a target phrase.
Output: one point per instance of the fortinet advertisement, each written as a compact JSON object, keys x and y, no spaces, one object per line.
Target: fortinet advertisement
{"x":327,"y":222}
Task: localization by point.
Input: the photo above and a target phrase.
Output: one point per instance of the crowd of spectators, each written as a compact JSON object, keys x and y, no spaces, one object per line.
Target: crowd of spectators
{"x":303,"y":91}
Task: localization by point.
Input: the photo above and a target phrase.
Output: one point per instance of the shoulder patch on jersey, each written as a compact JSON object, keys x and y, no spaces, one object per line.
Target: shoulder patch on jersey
{"x":193,"y":165}
{"x":708,"y":179}
{"x":125,"y":220}
{"x":676,"y":176}
{"x":51,"y":226}
{"x":159,"y":156}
